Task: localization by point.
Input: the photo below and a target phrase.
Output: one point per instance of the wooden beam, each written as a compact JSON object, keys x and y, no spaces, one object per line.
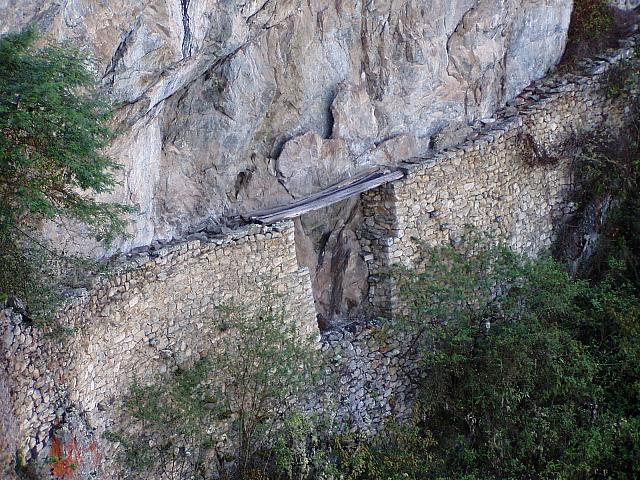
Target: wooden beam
{"x":327,"y":197}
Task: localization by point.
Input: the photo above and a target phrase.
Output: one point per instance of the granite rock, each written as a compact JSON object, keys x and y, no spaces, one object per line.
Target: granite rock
{"x":212,"y":90}
{"x":234,"y":105}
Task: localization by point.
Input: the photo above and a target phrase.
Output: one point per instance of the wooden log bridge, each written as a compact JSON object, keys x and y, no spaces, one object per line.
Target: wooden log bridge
{"x":340,"y":191}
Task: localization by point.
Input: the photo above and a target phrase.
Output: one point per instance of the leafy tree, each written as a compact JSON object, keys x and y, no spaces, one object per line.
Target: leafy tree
{"x":270,"y":367}
{"x":53,"y":126}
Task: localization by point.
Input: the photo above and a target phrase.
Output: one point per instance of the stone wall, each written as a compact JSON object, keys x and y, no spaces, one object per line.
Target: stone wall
{"x":371,"y":374}
{"x":8,"y":430}
{"x":155,"y":312}
{"x":511,"y":177}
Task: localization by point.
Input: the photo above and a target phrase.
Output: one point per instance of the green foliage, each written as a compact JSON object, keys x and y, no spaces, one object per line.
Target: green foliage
{"x":301,"y":450}
{"x":453,"y":283}
{"x":608,"y":170}
{"x":53,"y":126}
{"x":270,"y":367}
{"x":527,"y":372}
{"x":230,"y":405}
{"x":306,"y":448}
{"x":591,"y":19}
{"x":594,"y":27}
{"x":174,"y":420}
{"x":32,"y":271}
{"x":399,"y":452}
{"x":20,"y":267}
{"x":623,"y":80}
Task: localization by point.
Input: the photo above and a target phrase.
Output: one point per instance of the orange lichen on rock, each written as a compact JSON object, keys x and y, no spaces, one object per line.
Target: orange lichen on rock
{"x":66,"y":458}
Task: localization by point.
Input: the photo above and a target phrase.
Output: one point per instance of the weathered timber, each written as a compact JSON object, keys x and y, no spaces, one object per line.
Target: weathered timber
{"x":333,"y":194}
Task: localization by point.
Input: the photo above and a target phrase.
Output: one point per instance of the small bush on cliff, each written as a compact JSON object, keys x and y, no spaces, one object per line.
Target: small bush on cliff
{"x":53,"y":126}
{"x":595,"y":26}
{"x":591,"y":19}
{"x":222,"y":415}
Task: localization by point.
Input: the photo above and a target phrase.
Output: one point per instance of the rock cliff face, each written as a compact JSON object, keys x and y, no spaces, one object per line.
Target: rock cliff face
{"x":231,"y":105}
{"x":625,"y":4}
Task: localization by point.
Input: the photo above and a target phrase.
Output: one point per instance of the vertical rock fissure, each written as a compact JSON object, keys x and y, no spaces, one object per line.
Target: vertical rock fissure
{"x":120,"y":52}
{"x":367,"y":74}
{"x":186,"y":39}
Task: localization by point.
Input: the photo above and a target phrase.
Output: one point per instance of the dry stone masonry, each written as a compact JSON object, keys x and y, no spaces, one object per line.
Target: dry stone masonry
{"x":372,"y":370}
{"x":154,"y":314}
{"x":512,"y":177}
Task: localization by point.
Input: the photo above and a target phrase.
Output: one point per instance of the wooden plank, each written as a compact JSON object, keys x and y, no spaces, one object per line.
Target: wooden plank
{"x":364,"y":176}
{"x":325,"y":198}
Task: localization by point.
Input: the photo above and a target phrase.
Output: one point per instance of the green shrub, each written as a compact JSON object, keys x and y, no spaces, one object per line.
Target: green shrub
{"x":527,"y":372}
{"x":399,"y":452}
{"x":222,"y":415}
{"x":608,"y":173}
{"x":591,"y":19}
{"x":302,"y":449}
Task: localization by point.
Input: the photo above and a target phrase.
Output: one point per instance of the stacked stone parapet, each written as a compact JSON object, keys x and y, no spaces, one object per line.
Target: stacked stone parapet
{"x":512,"y":178}
{"x":156,"y":312}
